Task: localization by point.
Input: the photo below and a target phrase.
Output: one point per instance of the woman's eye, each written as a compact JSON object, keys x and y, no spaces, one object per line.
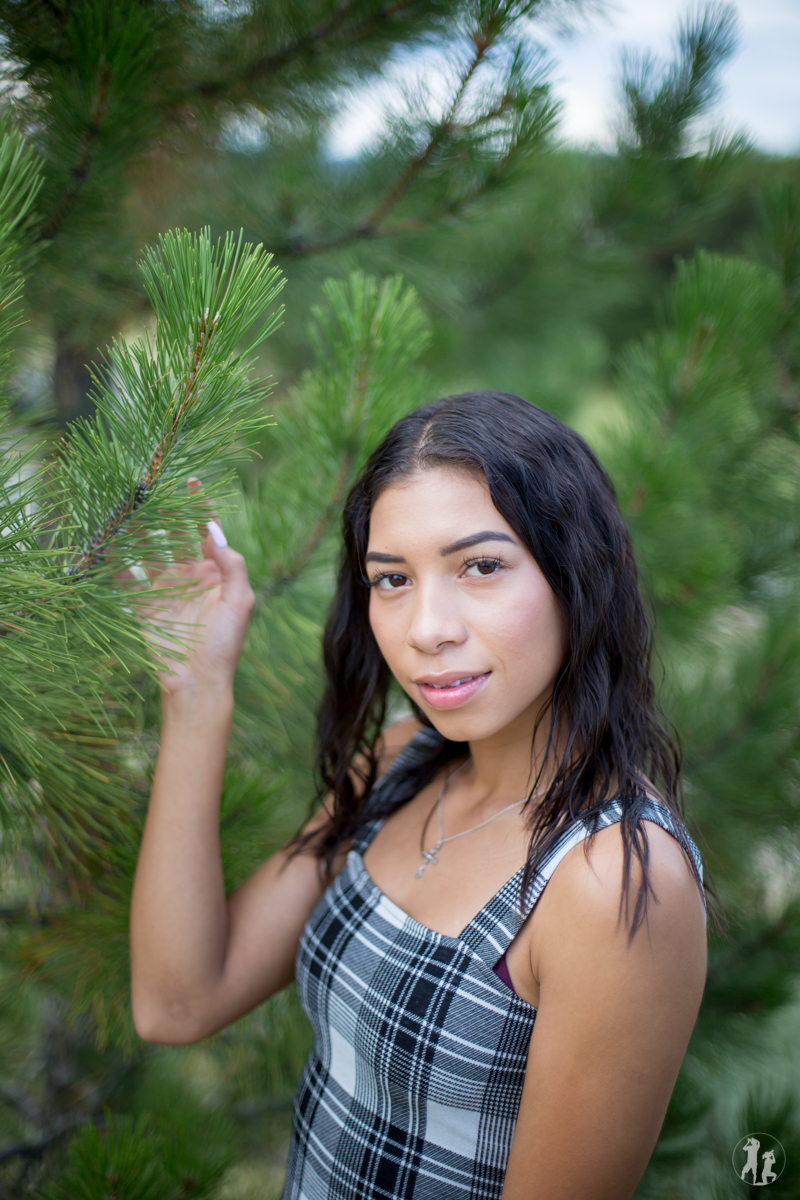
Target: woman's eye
{"x":485,"y":566}
{"x":392,"y":579}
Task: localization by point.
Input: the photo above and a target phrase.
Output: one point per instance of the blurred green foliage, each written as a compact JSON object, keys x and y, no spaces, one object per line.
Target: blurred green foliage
{"x":648,"y":295}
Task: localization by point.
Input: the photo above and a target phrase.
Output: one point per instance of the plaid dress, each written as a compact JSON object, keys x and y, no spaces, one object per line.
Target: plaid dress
{"x":413,"y":1086}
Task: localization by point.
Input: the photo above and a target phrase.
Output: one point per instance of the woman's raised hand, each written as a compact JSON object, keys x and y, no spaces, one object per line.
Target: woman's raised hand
{"x":196,"y":615}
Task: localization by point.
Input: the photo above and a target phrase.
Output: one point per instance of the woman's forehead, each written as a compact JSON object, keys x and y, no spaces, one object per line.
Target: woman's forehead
{"x":440,"y":505}
{"x":450,"y":485}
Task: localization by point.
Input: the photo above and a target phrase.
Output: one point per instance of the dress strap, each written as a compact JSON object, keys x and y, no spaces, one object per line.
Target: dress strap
{"x":492,"y":931}
{"x":415,"y":751}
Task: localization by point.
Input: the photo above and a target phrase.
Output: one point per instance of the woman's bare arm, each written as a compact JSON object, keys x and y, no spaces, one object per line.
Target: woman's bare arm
{"x":612,"y":1026}
{"x":199,"y":961}
{"x":179,"y":919}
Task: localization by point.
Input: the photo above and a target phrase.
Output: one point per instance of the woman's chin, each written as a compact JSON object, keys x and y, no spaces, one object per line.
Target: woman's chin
{"x":465,"y":727}
{"x":484,"y":723}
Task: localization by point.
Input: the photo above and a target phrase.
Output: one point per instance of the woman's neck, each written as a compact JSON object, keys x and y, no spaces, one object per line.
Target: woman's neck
{"x":509,"y":764}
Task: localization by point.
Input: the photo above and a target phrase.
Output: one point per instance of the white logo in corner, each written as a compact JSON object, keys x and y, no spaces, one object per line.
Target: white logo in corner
{"x":759,"y":1159}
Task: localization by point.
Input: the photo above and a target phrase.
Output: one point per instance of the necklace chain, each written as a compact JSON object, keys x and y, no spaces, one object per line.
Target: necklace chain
{"x":429,"y":858}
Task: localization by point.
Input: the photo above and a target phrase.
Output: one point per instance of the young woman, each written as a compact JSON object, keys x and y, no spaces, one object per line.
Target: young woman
{"x":495,"y":917}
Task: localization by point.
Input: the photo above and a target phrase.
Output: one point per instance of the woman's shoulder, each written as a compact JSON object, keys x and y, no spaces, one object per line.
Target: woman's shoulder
{"x":591,"y":877}
{"x":584,"y":927}
{"x":661,"y":822}
{"x":590,"y":918}
{"x":667,"y":861}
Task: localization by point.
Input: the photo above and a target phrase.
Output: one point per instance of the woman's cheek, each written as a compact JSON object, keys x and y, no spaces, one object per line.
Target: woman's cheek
{"x":530,"y":631}
{"x":381,"y":625}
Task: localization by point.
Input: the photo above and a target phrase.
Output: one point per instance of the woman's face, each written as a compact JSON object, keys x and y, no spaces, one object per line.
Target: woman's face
{"x":459,"y":602}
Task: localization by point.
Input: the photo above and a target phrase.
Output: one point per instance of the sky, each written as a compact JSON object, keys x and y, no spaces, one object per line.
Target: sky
{"x":760,"y":93}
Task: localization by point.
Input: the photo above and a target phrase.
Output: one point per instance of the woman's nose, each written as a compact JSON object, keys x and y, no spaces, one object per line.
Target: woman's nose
{"x":435,"y":619}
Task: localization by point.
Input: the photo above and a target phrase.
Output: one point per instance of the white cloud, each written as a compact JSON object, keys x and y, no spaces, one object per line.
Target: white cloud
{"x":761,"y":83}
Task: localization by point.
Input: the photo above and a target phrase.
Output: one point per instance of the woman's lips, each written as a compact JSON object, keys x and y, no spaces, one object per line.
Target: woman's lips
{"x":452,"y":697}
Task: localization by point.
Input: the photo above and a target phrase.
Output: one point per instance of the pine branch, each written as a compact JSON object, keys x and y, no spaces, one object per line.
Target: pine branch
{"x":99,"y":542}
{"x":703,"y":336}
{"x":80,"y":171}
{"x":191,"y":388}
{"x":336,"y":23}
{"x":523,"y":104}
{"x":291,"y":574}
{"x":38,"y":1148}
{"x":20,"y":181}
{"x":93,"y":87}
{"x":660,"y":101}
{"x":204,"y":397}
{"x":366,"y":340}
{"x":185,"y":403}
{"x":383,"y":208}
{"x":426,"y":222}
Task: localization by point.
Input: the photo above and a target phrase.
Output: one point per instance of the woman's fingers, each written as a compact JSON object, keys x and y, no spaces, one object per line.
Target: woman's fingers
{"x":212,"y":537}
{"x":215,"y":548}
{"x":231,"y":565}
{"x":168,"y":577}
{"x":158,"y":552}
{"x":217,"y":536}
{"x":196,"y":489}
{"x":130,"y":573}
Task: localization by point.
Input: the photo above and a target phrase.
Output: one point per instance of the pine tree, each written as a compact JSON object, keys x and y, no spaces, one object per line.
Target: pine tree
{"x":74,"y":666}
{"x":142,"y":108}
{"x":125,"y":123}
{"x":112,"y":498}
{"x":708,"y":470}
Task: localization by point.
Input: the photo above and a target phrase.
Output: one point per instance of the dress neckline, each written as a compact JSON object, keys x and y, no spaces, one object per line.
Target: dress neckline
{"x":485,"y":913}
{"x":418,"y":925}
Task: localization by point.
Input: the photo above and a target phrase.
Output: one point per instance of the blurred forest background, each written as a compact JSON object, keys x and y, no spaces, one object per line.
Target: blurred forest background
{"x":649,"y":295}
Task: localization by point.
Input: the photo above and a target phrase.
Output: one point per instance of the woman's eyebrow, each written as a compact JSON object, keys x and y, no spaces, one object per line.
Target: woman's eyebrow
{"x":376,"y":556}
{"x":486,"y":535}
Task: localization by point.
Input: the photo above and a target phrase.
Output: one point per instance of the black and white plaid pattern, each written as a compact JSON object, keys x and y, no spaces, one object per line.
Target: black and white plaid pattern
{"x":413,"y":1086}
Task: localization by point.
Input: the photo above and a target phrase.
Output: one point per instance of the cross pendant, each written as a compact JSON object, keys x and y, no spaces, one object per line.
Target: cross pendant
{"x":430,"y":857}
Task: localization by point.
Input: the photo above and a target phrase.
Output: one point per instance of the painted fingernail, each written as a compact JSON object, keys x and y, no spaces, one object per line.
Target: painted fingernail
{"x":138,"y":572}
{"x":193,"y":482}
{"x":216,"y":532}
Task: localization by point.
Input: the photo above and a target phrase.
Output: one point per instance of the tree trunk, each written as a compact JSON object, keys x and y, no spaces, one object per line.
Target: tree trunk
{"x":72,"y":383}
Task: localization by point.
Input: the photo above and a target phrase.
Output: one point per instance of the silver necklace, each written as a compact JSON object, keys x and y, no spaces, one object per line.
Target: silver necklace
{"x":429,"y":856}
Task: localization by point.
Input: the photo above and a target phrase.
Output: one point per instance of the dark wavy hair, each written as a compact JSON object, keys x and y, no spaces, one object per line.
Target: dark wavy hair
{"x":551,"y":489}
